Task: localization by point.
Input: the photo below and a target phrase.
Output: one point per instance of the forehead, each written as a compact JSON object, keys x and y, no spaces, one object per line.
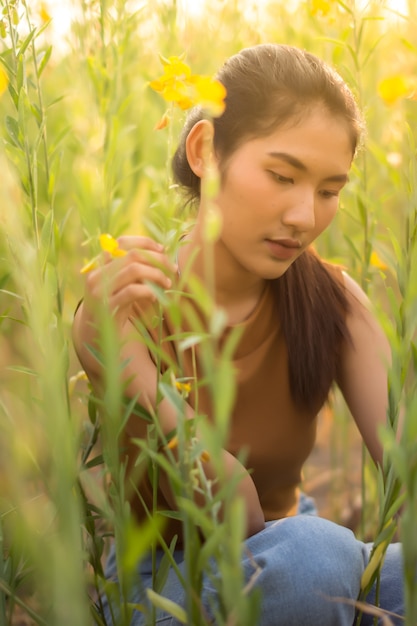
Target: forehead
{"x":318,"y":139}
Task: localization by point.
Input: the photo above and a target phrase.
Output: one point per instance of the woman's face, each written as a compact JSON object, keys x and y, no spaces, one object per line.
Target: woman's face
{"x":280,"y":192}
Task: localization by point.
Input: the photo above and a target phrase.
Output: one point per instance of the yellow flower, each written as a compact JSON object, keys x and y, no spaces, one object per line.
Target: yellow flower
{"x":172,"y":85}
{"x":377,"y":262}
{"x":393,"y":88}
{"x":4,"y":79}
{"x":210,"y":94}
{"x":183,"y":388}
{"x":184,"y":89}
{"x":321,"y":6}
{"x":107,"y":244}
{"x":174,"y":67}
{"x":44,"y":13}
{"x":111,"y":245}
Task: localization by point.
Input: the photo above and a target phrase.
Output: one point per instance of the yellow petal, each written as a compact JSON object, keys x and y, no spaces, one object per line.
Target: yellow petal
{"x":205,"y":456}
{"x":393,"y":88}
{"x":158,"y":84}
{"x":377,"y":262}
{"x":163,"y":122}
{"x":183,"y":388}
{"x":89,"y":265}
{"x":321,"y":6}
{"x":4,"y":79}
{"x":175,"y":67}
{"x":210,"y":94}
{"x":43,"y":12}
{"x":111,"y":245}
{"x":172,"y":443}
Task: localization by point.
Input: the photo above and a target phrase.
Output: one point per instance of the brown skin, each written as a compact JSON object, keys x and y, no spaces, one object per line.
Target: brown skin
{"x":124,"y":279}
{"x":263,"y":198}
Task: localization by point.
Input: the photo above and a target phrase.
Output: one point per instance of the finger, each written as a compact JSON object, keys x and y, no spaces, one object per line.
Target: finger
{"x":134,"y":292}
{"x":113,"y":278}
{"x":153,"y":258}
{"x":131,"y":242}
{"x":140,"y":273}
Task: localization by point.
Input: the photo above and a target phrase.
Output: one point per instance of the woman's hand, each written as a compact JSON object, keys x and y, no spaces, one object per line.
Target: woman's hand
{"x":118,"y":284}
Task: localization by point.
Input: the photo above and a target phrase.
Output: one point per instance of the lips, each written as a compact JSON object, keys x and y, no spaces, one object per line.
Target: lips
{"x":283,"y":249}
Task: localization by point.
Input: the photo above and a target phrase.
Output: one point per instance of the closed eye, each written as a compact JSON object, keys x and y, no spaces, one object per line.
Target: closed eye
{"x":326,"y":193}
{"x":280,"y":179}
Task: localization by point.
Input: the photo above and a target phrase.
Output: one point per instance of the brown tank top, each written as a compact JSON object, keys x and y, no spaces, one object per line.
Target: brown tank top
{"x":275,"y":434}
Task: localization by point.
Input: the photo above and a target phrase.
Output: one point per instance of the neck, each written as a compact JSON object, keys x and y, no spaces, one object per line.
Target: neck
{"x":231,"y":286}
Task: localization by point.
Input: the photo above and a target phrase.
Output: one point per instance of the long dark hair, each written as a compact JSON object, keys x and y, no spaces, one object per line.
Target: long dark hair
{"x":267,"y":86}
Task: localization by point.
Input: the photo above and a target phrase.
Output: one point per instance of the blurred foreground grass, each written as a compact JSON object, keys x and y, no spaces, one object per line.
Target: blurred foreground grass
{"x":80,"y":155}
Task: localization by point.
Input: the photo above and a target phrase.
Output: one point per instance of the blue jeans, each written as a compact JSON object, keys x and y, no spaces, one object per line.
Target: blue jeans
{"x":304,"y":562}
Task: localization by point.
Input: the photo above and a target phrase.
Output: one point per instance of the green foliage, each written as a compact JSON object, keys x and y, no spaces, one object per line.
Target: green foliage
{"x":80,"y":156}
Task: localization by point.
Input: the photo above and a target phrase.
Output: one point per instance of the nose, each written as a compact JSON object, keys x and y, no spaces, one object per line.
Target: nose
{"x":300,"y":213}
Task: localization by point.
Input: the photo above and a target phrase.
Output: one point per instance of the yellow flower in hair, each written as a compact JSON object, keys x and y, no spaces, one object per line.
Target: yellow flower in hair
{"x":172,"y":85}
{"x":210,"y":94}
{"x":184,"y":89}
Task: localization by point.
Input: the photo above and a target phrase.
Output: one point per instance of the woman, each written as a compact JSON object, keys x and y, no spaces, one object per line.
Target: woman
{"x":283,"y":147}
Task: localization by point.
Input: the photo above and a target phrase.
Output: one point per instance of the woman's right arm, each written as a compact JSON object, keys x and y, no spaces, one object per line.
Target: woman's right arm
{"x":121,"y":283}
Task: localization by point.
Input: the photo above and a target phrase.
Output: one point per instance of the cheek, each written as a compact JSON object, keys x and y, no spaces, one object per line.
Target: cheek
{"x":326,"y":217}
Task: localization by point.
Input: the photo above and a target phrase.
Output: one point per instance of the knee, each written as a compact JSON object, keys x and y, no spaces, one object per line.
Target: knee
{"x":308,"y":565}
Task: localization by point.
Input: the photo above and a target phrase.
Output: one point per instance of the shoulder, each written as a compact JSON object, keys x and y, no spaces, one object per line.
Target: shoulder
{"x":364,"y":328}
{"x":354,"y":291}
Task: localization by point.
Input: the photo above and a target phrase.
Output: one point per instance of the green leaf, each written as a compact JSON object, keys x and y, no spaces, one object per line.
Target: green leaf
{"x":46,"y":238}
{"x":22,"y":370}
{"x":44,"y":58}
{"x":167,"y":605}
{"x":172,"y":396}
{"x":26,"y":42}
{"x":13,"y":131}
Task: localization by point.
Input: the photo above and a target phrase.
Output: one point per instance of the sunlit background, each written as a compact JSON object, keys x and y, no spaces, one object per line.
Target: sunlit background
{"x":64,"y":11}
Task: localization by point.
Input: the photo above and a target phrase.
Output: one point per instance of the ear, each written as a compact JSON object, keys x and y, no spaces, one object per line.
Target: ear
{"x":199,"y":146}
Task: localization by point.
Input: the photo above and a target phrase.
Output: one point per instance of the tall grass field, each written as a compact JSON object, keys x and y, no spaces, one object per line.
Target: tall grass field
{"x":85,"y":149}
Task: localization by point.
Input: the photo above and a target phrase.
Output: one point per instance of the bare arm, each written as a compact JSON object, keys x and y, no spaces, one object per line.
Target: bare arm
{"x":364,"y":370}
{"x":126,"y":277}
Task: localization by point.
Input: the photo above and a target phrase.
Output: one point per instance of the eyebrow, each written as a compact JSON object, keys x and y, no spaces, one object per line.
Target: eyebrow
{"x":292,"y":160}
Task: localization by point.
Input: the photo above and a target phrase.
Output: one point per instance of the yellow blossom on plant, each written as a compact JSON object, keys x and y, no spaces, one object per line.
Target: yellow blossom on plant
{"x":174,"y":67}
{"x":210,"y":94}
{"x":44,"y":13}
{"x":377,"y":262}
{"x":107,"y":244}
{"x":172,"y":85}
{"x":4,"y":79}
{"x":184,"y":89}
{"x":321,"y":6}
{"x":111,"y":245}
{"x":393,"y":88}
{"x":183,"y":387}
